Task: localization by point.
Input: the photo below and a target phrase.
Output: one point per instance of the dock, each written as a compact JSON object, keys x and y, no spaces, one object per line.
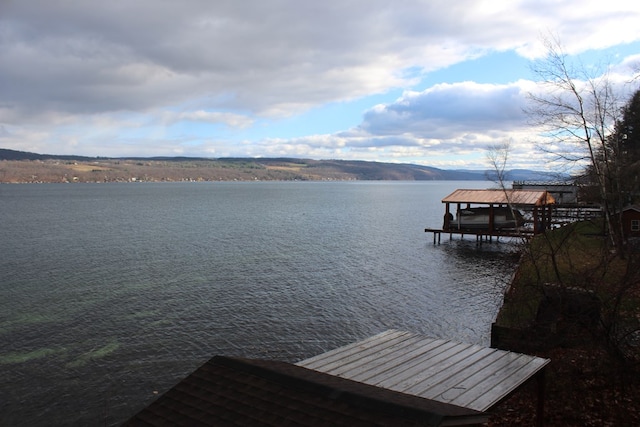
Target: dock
{"x":389,"y":379}
{"x":480,"y":235}
{"x":465,"y":375}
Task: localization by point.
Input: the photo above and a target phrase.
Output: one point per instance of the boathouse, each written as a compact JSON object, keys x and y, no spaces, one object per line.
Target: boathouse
{"x":500,"y":212}
{"x":393,"y":378}
{"x":563,"y":192}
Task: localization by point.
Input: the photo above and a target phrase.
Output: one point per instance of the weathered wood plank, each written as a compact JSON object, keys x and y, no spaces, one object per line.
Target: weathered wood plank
{"x":404,"y":365}
{"x":484,"y":400}
{"x":484,"y":379}
{"x":404,"y":376}
{"x":469,"y":376}
{"x":336,"y":354}
{"x":357,"y":356}
{"x":370,"y":358}
{"x":462,"y":374}
{"x":441,"y":377}
{"x":374,"y":363}
{"x":445,"y":379}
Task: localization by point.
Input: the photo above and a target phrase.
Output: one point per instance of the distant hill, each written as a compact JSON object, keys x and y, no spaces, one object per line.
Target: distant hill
{"x":364,"y":170}
{"x":56,"y":168}
{"x":520,"y":175}
{"x":24,"y":155}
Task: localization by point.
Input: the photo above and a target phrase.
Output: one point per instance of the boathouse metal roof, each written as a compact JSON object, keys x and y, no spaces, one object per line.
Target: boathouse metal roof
{"x":465,"y":375}
{"x":507,"y":196}
{"x":248,"y":392}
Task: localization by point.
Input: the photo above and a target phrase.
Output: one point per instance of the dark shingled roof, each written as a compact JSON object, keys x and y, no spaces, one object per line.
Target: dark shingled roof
{"x":248,"y":392}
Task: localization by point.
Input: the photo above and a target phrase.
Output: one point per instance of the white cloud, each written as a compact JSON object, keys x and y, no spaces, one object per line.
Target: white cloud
{"x":4,"y":133}
{"x":211,"y":117}
{"x":449,"y":109}
{"x":266,"y":57}
{"x":91,"y":72}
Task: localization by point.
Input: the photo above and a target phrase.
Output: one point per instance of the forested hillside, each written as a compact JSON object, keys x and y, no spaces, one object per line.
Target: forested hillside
{"x":24,"y":167}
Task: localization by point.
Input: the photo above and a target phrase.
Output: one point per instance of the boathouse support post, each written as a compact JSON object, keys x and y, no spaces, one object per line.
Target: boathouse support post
{"x":447,"y":218}
{"x":491,"y":218}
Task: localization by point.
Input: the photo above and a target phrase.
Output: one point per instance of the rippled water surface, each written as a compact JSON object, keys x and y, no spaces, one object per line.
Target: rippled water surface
{"x":111,"y":293}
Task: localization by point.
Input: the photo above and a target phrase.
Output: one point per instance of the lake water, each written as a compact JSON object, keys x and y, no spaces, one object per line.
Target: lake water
{"x":112,"y":293}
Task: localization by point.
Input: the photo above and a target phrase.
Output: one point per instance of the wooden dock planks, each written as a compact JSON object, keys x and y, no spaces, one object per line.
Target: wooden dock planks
{"x":466,"y":375}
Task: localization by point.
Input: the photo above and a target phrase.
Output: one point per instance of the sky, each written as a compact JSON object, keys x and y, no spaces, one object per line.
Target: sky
{"x":427,"y":82}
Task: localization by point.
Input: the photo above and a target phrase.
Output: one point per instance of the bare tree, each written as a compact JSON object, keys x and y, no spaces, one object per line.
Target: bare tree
{"x":583,"y":119}
{"x":498,"y":158}
{"x":579,"y":112}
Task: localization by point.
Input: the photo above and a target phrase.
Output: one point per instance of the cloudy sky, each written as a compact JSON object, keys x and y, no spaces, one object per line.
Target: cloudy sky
{"x":429,"y":82}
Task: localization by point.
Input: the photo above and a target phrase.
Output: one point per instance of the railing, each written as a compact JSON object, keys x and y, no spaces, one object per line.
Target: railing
{"x":573,"y":213}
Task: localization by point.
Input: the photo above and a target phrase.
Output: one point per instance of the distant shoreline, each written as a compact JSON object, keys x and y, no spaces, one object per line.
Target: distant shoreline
{"x":22,"y":167}
{"x":102,"y":171}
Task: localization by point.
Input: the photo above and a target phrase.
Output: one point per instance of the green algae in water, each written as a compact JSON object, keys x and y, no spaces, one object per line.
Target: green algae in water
{"x":162,"y":322}
{"x":13,"y":358}
{"x":94,"y":354}
{"x":25,"y":320}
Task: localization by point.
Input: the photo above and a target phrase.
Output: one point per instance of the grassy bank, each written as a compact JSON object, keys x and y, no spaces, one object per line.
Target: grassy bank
{"x":574,"y":301}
